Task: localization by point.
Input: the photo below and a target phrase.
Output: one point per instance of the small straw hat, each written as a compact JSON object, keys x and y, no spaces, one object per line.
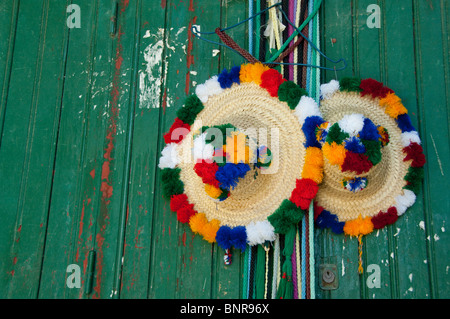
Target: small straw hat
{"x":259,"y":102}
{"x":373,"y":161}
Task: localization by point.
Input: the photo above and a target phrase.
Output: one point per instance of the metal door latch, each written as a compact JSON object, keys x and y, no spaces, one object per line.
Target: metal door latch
{"x":328,"y":277}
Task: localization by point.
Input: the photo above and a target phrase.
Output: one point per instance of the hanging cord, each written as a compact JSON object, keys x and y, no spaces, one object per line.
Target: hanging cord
{"x":198,"y":34}
{"x":276,"y":269}
{"x":298,"y":263}
{"x":266,"y":281}
{"x":311,"y":252}
{"x":233,"y":45}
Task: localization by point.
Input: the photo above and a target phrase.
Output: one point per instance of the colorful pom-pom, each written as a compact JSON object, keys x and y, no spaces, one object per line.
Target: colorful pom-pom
{"x":385,"y":218}
{"x":286,"y":216}
{"x":192,"y":106}
{"x":177,"y":131}
{"x":171,"y":183}
{"x":350,"y":84}
{"x":414,"y":152}
{"x":305,"y":190}
{"x":359,"y":226}
{"x":358,"y":163}
{"x":271,"y":80}
{"x":291,"y":93}
{"x":252,"y":72}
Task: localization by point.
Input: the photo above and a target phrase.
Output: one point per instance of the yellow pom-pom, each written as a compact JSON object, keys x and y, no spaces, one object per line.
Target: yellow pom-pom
{"x":197,"y":222}
{"x":334,"y":153}
{"x":313,"y":172}
{"x":359,"y":226}
{"x":209,"y":230}
{"x":393,"y":104}
{"x":212,"y":191}
{"x":252,"y":72}
{"x":314,"y":156}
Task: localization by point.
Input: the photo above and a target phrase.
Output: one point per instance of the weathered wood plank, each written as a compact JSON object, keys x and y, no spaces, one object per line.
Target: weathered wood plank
{"x":28,"y":145}
{"x":148,"y":64}
{"x":77,"y":219}
{"x":432,"y":120}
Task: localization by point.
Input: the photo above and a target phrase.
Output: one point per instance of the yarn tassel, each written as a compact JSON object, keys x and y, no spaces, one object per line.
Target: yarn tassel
{"x":260,"y":272}
{"x":360,"y":244}
{"x":286,"y":287}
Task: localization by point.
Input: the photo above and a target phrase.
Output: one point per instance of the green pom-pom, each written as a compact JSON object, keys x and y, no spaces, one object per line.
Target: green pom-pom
{"x":171,"y":183}
{"x":335,"y":134}
{"x":373,"y":150}
{"x":290,"y":93}
{"x":287,"y":215}
{"x":350,"y":84}
{"x":192,"y":106}
{"x":414,"y":178}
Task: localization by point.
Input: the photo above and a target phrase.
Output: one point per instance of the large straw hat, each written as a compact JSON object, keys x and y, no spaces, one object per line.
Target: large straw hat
{"x":373,"y":161}
{"x":255,"y":100}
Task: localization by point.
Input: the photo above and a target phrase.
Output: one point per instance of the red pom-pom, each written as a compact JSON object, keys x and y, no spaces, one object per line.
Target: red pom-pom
{"x":304,"y":191}
{"x":178,"y":201}
{"x":207,"y":171}
{"x":374,"y":88}
{"x":358,"y":163}
{"x":414,"y":152}
{"x":271,"y":80}
{"x":185,"y":213}
{"x":177,"y":131}
{"x":382,"y":219}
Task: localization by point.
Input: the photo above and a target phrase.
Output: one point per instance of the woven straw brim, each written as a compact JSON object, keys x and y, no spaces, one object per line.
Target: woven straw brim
{"x":248,"y":106}
{"x":385,"y":180}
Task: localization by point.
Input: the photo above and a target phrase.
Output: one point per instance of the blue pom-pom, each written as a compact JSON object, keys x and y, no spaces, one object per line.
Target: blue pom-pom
{"x":228,"y":175}
{"x":239,"y":237}
{"x":234,"y":74}
{"x":223,"y":237}
{"x":404,"y":123}
{"x":309,"y":129}
{"x":354,"y":145}
{"x":328,"y":220}
{"x":369,"y":131}
{"x":226,"y":79}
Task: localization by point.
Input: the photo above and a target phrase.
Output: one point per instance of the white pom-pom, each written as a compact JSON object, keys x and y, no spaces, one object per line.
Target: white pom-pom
{"x":306,"y":107}
{"x":410,"y":137}
{"x":328,"y":89}
{"x":202,"y":92}
{"x":169,"y":156}
{"x":207,"y":89}
{"x":352,"y":123}
{"x":259,"y":232}
{"x":402,"y":202}
{"x":202,"y":150}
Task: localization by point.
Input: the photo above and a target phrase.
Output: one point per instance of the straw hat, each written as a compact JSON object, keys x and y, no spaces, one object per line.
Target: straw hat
{"x":373,"y":161}
{"x":258,"y":102}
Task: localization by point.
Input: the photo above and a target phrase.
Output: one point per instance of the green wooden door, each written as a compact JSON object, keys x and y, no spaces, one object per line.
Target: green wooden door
{"x":82,"y":114}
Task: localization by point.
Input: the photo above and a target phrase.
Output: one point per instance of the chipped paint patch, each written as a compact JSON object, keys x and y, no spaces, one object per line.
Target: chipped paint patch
{"x":151,"y":78}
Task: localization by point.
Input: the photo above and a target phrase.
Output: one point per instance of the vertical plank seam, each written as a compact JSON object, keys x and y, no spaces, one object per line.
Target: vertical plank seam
{"x":422,"y":128}
{"x":56,"y":125}
{"x":157,"y":176}
{"x":8,"y":65}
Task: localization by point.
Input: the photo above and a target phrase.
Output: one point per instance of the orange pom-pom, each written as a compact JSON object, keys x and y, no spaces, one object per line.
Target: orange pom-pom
{"x":359,"y":226}
{"x":252,"y":72}
{"x":393,"y":104}
{"x":334,"y":152}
